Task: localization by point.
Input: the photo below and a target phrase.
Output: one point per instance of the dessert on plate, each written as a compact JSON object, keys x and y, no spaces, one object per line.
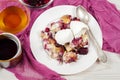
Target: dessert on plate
{"x":64,"y":39}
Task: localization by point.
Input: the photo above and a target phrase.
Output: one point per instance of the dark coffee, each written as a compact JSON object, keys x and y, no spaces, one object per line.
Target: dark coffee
{"x":8,"y":48}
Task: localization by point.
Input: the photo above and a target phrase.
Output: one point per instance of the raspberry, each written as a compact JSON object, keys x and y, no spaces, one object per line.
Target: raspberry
{"x":47,"y":29}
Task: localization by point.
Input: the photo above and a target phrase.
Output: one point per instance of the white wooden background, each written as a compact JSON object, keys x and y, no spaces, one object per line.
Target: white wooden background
{"x":100,"y":71}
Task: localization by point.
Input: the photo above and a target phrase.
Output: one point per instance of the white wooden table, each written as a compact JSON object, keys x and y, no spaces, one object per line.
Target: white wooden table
{"x":99,"y":71}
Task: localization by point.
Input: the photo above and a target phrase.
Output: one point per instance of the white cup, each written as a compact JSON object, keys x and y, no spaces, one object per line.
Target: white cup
{"x":10,"y":50}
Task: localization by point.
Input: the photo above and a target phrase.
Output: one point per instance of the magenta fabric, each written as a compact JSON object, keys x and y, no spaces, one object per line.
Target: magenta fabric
{"x":104,"y":12}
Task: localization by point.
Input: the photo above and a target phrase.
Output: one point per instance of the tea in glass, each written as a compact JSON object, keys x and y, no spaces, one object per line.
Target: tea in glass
{"x":13,"y":19}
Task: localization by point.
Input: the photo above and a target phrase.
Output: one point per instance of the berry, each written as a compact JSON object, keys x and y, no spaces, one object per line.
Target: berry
{"x":36,"y":2}
{"x":75,"y":19}
{"x":47,"y":29}
{"x":82,"y":51}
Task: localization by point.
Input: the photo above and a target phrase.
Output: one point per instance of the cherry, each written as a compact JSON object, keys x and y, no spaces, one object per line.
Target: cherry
{"x":82,"y":51}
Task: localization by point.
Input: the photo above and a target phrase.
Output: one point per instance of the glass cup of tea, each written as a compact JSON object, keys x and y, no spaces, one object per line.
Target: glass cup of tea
{"x":14,"y":17}
{"x":36,"y":3}
{"x":10,"y":50}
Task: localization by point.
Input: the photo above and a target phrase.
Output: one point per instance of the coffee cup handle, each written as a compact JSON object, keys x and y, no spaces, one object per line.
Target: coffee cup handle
{"x":1,"y":66}
{"x":4,"y":65}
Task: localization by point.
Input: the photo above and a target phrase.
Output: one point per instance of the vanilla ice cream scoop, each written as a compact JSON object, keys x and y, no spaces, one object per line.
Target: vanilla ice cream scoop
{"x":64,"y":36}
{"x":76,"y":27}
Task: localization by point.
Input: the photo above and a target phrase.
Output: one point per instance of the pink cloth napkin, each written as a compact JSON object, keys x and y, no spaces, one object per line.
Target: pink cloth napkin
{"x":104,"y":12}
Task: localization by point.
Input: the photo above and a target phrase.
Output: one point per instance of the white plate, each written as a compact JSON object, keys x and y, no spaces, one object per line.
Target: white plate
{"x":41,"y":56}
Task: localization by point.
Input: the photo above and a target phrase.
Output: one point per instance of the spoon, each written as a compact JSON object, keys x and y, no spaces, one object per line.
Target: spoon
{"x":82,"y":13}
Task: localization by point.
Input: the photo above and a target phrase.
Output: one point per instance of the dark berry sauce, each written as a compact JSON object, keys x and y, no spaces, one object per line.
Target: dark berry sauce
{"x":82,"y":51}
{"x":36,"y":3}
